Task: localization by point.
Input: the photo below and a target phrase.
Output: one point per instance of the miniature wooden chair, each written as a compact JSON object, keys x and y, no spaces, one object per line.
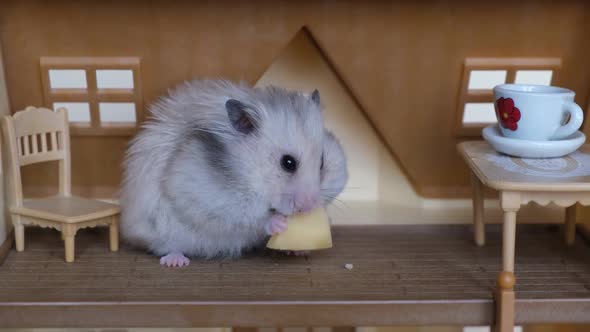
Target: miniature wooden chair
{"x":39,"y":135}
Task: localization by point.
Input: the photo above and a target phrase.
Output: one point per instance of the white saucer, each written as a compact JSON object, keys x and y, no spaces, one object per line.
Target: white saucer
{"x":532,"y":149}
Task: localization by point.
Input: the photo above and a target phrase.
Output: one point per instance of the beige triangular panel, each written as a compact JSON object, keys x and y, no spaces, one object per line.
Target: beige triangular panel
{"x":374,"y":176}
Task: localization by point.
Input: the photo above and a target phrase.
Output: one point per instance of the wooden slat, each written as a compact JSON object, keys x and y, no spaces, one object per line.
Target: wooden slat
{"x":19,"y":146}
{"x":402,"y":275}
{"x":511,"y":74}
{"x":65,"y":95}
{"x":92,"y":97}
{"x":503,"y":63}
{"x":106,"y":130}
{"x":25,"y":143}
{"x":35,"y":147}
{"x":41,"y":157}
{"x":44,"y":142}
{"x":186,"y":314}
{"x":53,"y":136}
{"x":82,"y":62}
{"x":60,"y":141}
{"x":121,"y":94}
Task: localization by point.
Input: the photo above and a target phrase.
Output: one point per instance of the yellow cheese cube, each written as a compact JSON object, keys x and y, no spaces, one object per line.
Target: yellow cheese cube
{"x":310,"y":231}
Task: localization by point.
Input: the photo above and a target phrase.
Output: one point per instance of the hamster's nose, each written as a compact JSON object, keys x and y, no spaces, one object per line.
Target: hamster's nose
{"x":307,"y":203}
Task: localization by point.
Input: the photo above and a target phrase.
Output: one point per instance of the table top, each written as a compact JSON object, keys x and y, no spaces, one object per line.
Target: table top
{"x":503,"y":172}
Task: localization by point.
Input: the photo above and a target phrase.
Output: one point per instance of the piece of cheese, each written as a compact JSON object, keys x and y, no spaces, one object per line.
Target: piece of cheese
{"x":310,"y":231}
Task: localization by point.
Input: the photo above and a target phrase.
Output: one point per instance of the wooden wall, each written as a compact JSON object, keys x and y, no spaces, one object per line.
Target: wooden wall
{"x":401,"y":60}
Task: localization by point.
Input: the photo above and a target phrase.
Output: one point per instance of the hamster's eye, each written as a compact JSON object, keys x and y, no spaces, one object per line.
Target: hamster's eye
{"x":289,"y":163}
{"x":322,"y":164}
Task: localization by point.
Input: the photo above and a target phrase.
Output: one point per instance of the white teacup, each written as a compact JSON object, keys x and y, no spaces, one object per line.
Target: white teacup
{"x":536,"y":112}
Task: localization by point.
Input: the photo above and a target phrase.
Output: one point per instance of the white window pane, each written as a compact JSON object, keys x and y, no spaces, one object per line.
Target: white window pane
{"x":479,"y":113}
{"x":542,"y":77}
{"x":67,"y":79}
{"x":114,"y":79}
{"x":77,"y":112}
{"x":117,"y":112}
{"x":486,"y":79}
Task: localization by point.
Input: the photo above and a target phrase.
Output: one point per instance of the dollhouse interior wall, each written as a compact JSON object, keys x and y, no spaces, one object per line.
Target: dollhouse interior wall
{"x":396,"y":80}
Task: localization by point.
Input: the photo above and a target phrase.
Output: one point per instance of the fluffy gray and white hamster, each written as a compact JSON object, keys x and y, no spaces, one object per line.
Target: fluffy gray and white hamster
{"x":220,"y":165}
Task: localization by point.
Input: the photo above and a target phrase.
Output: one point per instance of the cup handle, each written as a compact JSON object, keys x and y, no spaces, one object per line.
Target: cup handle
{"x":575,"y":122}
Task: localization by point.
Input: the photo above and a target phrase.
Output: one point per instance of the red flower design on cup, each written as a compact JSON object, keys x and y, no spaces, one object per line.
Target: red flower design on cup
{"x":508,"y":114}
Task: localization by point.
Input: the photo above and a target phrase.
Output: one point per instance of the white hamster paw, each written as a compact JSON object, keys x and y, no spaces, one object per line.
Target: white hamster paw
{"x":277,"y":224}
{"x":174,"y":260}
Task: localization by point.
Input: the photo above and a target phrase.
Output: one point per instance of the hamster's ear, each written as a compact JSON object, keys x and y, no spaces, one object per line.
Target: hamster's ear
{"x":239,"y":117}
{"x":315,"y":96}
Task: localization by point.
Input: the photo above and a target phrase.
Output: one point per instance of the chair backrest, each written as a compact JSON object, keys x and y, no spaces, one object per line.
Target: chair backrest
{"x":32,"y":136}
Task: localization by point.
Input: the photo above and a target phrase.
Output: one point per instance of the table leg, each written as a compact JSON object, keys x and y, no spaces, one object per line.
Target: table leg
{"x":570,"y":225}
{"x":505,"y":302}
{"x":69,"y":234}
{"x":478,"y":223}
{"x":508,"y":241}
{"x":114,"y":234}
{"x":505,"y":297}
{"x":19,"y":234}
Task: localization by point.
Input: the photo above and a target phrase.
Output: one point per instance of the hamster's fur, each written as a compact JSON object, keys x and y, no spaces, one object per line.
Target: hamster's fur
{"x":213,"y":167}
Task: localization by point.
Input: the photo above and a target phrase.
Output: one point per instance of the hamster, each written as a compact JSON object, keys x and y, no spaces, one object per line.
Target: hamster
{"x":220,"y":166}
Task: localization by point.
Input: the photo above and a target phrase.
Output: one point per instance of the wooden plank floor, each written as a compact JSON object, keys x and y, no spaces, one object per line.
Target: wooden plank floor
{"x":410,"y":275}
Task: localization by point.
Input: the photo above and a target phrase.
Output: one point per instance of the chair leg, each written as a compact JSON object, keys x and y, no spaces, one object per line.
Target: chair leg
{"x":19,"y":234}
{"x":69,"y":234}
{"x":114,"y":234}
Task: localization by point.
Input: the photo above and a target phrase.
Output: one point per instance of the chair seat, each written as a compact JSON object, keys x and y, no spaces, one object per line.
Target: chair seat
{"x":66,"y":209}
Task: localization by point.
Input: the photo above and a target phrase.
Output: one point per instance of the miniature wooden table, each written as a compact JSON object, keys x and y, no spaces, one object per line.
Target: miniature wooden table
{"x":564,"y":181}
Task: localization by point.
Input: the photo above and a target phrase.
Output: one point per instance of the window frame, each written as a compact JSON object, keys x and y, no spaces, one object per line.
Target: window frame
{"x":511,"y":66}
{"x":92,"y":95}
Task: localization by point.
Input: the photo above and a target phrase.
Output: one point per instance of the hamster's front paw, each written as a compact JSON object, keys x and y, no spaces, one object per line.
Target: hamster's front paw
{"x":277,"y":224}
{"x":174,"y":260}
